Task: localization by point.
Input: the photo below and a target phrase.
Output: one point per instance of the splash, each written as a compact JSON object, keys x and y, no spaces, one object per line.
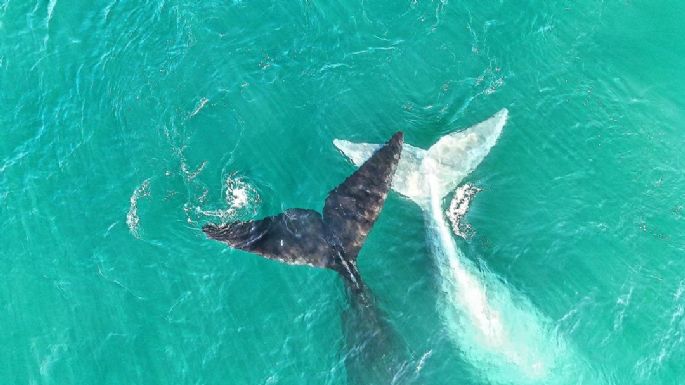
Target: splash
{"x":458,"y":208}
{"x":132,"y":218}
{"x":239,"y":196}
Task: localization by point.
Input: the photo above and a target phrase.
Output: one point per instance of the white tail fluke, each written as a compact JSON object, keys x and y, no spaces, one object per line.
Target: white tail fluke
{"x":448,"y":161}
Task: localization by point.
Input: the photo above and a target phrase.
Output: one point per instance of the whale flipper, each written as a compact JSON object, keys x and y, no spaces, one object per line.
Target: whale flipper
{"x":302,"y":236}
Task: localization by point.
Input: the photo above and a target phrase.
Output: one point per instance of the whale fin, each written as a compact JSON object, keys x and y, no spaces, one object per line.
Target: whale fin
{"x":456,"y":155}
{"x":408,"y":179}
{"x":447,"y":162}
{"x":352,"y":208}
{"x":295,"y":236}
{"x":302,"y":236}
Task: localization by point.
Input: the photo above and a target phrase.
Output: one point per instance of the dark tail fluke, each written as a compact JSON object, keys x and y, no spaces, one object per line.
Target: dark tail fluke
{"x":294,"y":236}
{"x":300,"y":236}
{"x":352,"y":208}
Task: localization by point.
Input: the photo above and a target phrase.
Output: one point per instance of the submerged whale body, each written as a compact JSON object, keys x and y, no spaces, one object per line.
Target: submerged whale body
{"x":333,"y":240}
{"x":497,"y":330}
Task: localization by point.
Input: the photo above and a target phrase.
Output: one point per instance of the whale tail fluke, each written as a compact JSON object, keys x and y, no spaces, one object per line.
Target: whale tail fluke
{"x":293,"y":236}
{"x":303,"y":236}
{"x":447,"y":161}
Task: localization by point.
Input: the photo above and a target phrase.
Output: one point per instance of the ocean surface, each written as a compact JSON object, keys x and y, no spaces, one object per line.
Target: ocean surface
{"x":125,"y":126}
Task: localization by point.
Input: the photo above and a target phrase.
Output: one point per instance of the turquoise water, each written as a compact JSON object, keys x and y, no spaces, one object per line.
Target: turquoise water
{"x":121,"y":123}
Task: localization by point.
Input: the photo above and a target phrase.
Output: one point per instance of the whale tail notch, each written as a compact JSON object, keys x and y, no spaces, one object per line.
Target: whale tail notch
{"x":303,"y":236}
{"x":441,"y":168}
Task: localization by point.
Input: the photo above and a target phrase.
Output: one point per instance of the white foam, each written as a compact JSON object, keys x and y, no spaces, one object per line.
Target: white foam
{"x":459,"y":207}
{"x":190,"y":175}
{"x":201,"y":104}
{"x":239,"y":197}
{"x":132,"y":219}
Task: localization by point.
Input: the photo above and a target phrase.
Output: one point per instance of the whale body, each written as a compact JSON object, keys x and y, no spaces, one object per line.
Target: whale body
{"x":499,"y":332}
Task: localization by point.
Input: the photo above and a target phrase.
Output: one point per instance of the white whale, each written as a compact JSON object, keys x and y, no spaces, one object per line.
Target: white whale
{"x":496,"y":329}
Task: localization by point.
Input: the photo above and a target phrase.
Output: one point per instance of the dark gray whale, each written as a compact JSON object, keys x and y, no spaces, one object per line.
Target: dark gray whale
{"x":303,"y":236}
{"x":374,"y":353}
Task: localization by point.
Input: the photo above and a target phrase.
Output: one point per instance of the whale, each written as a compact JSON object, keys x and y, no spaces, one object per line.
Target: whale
{"x":495,"y":329}
{"x":332,"y":239}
